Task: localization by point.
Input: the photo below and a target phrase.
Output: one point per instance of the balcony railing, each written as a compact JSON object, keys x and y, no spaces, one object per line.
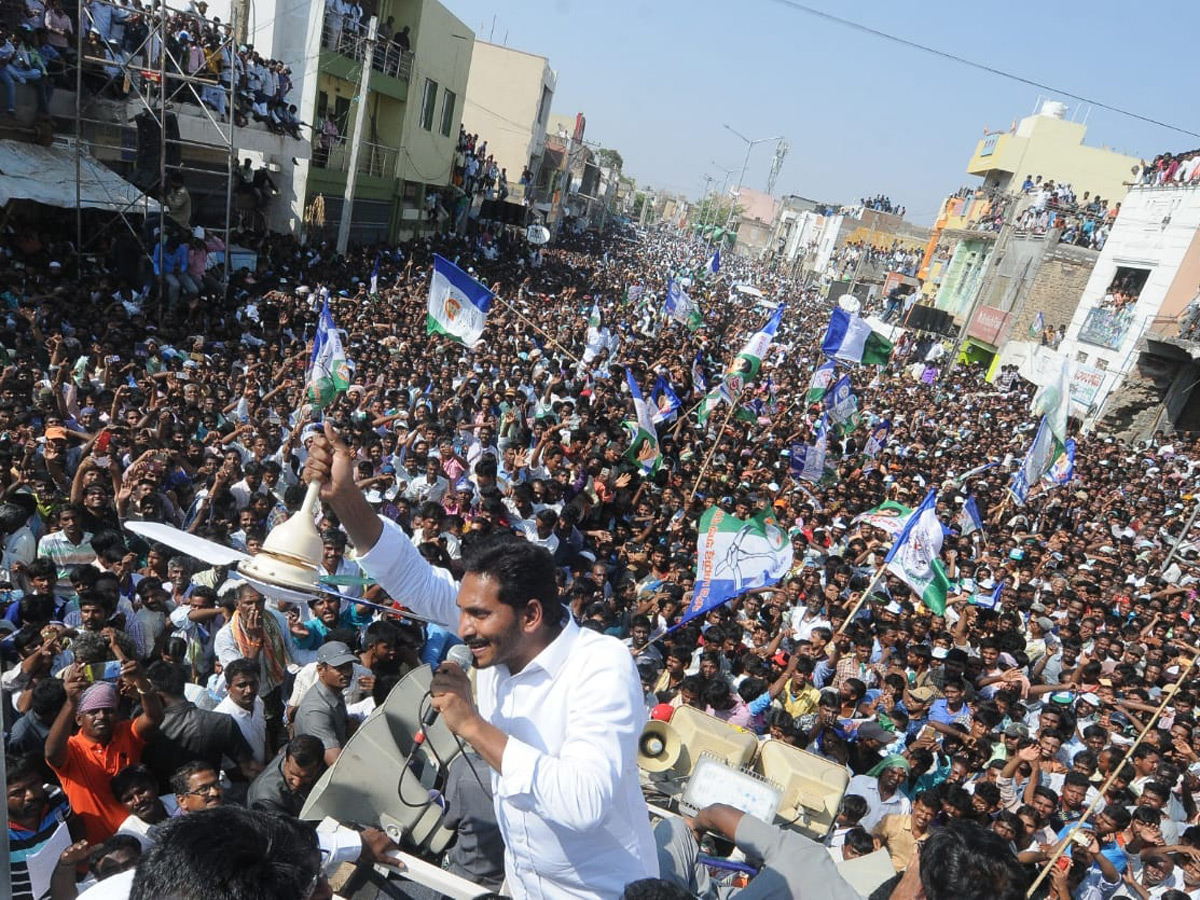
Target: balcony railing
{"x":386,"y":58}
{"x":375,"y":160}
{"x":1107,"y":327}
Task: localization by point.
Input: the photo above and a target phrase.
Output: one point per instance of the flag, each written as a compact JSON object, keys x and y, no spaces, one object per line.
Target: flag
{"x":634,"y":292}
{"x":714,"y":262}
{"x":842,"y":406}
{"x":992,"y":600}
{"x":644,"y":433}
{"x":713,"y":399}
{"x":666,"y":402}
{"x":375,"y":278}
{"x":968,"y":520}
{"x":699,"y":382}
{"x":1053,"y":400}
{"x":877,"y":440}
{"x":746,"y":364}
{"x":734,"y":556}
{"x":888,"y":516}
{"x":328,"y":369}
{"x":458,"y":304}
{"x":822,"y":378}
{"x":1038,"y":326}
{"x":595,"y":318}
{"x":1062,"y":469}
{"x":850,"y":338}
{"x":680,"y":307}
{"x":808,"y":461}
{"x":914,"y":556}
{"x":1037,"y":462}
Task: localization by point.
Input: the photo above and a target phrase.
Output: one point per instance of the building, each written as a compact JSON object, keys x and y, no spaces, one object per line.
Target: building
{"x":1050,"y":146}
{"x":1144,"y":278}
{"x":411,"y":118}
{"x":509,"y":97}
{"x":753,"y":222}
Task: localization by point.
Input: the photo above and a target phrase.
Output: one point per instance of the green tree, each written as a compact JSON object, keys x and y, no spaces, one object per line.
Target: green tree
{"x":610,"y":159}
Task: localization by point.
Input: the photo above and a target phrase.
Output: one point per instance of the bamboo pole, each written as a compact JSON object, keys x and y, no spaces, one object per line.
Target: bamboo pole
{"x":1066,"y":841}
{"x":534,"y":326}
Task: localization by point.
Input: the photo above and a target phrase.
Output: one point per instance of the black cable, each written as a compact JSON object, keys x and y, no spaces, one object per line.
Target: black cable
{"x":421,"y":709}
{"x":991,"y":70}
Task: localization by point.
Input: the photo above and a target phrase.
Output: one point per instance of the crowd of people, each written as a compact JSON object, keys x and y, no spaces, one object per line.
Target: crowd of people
{"x":122,"y":52}
{"x":872,"y":260}
{"x":1170,"y":168}
{"x":882,"y":203}
{"x":143,"y":686}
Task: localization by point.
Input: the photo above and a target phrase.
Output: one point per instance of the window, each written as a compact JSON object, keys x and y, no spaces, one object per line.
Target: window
{"x":448,"y":99}
{"x":428,"y":102}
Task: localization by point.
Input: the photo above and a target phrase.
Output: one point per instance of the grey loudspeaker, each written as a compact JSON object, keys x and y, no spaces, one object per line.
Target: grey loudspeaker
{"x":364,"y":784}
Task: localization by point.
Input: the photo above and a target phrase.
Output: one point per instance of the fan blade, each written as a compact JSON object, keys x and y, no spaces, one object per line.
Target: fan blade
{"x":347,"y":580}
{"x":188,"y":544}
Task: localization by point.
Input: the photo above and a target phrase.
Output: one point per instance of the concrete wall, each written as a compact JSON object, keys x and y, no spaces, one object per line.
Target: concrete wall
{"x":504,"y":91}
{"x":1053,"y":148}
{"x":1056,"y":288}
{"x":1156,"y":231}
{"x":443,"y":48}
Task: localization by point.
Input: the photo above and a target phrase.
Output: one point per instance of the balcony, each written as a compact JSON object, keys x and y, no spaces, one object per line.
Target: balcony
{"x":1107,"y":327}
{"x":386,"y":59}
{"x":374,"y":160}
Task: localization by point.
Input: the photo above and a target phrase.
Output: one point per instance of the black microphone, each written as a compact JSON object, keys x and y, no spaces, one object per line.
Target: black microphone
{"x":461,"y":656}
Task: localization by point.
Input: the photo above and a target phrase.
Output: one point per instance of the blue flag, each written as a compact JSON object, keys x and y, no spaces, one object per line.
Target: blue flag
{"x":1062,"y":469}
{"x":664,"y":401}
{"x":878,"y":439}
{"x":375,"y":277}
{"x":968,"y":520}
{"x":699,"y":382}
{"x":714,"y":263}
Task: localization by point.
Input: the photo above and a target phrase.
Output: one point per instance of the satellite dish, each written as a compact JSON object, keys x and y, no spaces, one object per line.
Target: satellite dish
{"x":849,"y":303}
{"x":537,"y":234}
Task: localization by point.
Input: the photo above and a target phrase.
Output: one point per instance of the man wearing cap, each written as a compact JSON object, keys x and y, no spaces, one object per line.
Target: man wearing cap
{"x":322,"y":710}
{"x":85,"y":762}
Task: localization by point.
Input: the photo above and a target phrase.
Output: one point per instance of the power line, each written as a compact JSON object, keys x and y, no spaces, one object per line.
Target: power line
{"x":1012,"y":76}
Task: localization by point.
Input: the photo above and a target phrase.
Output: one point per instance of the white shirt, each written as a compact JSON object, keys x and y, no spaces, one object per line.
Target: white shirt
{"x":253,"y":725}
{"x":867,"y":787}
{"x":574,"y":822}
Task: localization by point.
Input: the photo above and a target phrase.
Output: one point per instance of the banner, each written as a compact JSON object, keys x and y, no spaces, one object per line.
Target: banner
{"x":734,"y":556}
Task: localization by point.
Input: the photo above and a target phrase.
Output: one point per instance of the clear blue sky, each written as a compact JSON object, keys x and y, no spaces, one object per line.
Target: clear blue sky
{"x":657,"y":78}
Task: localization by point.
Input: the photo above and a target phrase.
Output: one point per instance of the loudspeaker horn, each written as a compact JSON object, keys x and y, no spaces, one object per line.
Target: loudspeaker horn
{"x":658,"y":747}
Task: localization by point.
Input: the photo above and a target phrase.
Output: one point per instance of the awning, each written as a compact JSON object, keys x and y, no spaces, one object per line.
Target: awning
{"x":47,"y":175}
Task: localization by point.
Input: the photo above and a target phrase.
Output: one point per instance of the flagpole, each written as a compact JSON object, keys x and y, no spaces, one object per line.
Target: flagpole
{"x":733,"y":404}
{"x":867,"y":591}
{"x":1066,"y":841}
{"x":533,"y":325}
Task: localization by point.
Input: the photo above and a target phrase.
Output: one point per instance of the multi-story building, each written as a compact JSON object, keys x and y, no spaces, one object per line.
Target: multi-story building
{"x":1048,"y":146}
{"x":1129,"y":317}
{"x":509,"y":95}
{"x":413,"y":100}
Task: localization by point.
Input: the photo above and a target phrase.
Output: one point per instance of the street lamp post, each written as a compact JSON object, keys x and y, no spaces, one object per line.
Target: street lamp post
{"x":724,"y":187}
{"x":745,"y":162}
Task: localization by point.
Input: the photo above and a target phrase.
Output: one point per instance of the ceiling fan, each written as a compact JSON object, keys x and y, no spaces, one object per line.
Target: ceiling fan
{"x":287,"y":568}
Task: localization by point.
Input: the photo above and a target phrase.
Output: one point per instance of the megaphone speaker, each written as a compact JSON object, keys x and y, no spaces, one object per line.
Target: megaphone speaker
{"x":658,"y":747}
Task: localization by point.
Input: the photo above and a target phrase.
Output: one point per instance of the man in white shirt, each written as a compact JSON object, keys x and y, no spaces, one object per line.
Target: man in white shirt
{"x":245,"y":707}
{"x":559,"y":708}
{"x":431,"y":486}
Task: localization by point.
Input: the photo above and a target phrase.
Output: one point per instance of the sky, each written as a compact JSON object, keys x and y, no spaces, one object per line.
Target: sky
{"x":658,"y":80}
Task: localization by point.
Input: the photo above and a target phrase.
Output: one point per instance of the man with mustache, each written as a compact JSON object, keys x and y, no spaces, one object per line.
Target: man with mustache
{"x":559,"y":709}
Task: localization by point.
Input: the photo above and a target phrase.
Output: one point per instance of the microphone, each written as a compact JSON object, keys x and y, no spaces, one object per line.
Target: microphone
{"x":461,"y":656}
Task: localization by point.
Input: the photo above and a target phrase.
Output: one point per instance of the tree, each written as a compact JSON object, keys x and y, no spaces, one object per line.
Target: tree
{"x":610,"y":159}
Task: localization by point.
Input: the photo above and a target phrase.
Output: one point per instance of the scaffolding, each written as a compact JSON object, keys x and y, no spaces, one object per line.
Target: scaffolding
{"x":129,"y":99}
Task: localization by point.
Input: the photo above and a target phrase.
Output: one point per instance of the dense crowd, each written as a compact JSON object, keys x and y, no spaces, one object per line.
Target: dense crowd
{"x":882,"y":203}
{"x":1170,"y":168}
{"x":1069,"y":621}
{"x":122,"y":53}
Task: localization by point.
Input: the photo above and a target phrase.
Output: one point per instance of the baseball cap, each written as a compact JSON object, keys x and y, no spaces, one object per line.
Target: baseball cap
{"x":922,"y":694}
{"x":335,"y":653}
{"x":56,"y":433}
{"x":1016,"y":730}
